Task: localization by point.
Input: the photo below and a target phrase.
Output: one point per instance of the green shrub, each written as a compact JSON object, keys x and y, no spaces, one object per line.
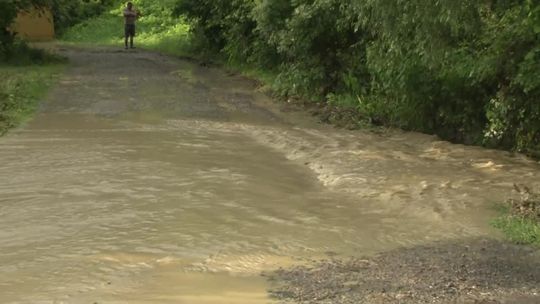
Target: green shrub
{"x":70,"y":12}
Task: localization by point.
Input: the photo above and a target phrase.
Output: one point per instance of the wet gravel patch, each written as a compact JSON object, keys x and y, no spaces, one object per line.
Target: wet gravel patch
{"x":476,"y":271}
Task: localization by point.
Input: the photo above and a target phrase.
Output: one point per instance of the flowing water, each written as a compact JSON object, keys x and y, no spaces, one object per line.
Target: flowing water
{"x":146,"y":179}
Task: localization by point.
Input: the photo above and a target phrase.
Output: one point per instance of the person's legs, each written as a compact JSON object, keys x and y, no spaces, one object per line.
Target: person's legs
{"x":126,"y":35}
{"x":132,"y":35}
{"x":129,"y":34}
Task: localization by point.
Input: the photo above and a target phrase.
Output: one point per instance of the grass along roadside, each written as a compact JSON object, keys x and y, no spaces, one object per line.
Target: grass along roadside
{"x":519,"y":230}
{"x":21,"y":88}
{"x":520,"y":218}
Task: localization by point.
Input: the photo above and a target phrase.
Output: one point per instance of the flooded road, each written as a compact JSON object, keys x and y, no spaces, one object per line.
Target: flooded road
{"x":146,"y":179}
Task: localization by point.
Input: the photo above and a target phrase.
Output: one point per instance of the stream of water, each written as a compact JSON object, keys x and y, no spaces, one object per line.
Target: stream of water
{"x":136,"y":185}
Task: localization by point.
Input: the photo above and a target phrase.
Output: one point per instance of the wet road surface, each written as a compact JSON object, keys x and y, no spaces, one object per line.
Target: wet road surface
{"x":147,"y":179}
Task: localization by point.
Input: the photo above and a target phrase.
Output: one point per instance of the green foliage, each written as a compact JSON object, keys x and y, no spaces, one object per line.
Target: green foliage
{"x":519,"y":230}
{"x":21,"y":54}
{"x":21,"y":82}
{"x":520,"y":217}
{"x":156,"y":28}
{"x":512,"y":61}
{"x":20,"y":89}
{"x":104,"y":29}
{"x":8,"y":12}
{"x":466,"y":70}
{"x":70,"y":12}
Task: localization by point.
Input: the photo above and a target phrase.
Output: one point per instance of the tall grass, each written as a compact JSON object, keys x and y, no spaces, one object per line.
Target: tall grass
{"x":519,"y":230}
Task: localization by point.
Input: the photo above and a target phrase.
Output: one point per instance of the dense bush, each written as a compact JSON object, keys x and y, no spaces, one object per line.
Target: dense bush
{"x":466,"y":70}
{"x":7,"y":13}
{"x":70,"y":12}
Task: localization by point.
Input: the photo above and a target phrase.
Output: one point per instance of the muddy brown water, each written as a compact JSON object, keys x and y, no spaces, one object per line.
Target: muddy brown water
{"x":147,"y":179}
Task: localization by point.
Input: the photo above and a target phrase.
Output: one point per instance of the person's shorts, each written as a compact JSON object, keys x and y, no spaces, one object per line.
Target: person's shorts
{"x":130,"y":30}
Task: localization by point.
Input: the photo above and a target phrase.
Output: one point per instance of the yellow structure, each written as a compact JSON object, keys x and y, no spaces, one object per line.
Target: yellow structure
{"x":34,"y":25}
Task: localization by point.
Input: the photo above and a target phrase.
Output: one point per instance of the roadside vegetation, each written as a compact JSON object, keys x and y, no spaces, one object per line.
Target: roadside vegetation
{"x":157,"y":28}
{"x":21,"y":87}
{"x":25,"y":76}
{"x":520,"y":217}
{"x":468,"y":71}
{"x":27,"y":73}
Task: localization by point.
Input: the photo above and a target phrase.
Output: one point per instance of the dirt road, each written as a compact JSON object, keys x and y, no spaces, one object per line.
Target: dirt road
{"x":149,"y":179}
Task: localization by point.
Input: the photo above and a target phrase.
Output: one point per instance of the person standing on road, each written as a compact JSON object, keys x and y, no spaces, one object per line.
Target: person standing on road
{"x":130,"y":16}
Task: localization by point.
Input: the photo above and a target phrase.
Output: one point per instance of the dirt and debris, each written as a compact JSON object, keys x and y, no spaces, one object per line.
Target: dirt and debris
{"x":476,"y":271}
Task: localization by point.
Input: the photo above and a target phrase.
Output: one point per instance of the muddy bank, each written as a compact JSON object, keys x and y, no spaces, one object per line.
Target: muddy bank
{"x":473,"y":271}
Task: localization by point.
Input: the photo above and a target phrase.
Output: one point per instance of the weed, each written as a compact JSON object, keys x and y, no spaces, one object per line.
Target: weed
{"x":520,"y":217}
{"x":21,"y":87}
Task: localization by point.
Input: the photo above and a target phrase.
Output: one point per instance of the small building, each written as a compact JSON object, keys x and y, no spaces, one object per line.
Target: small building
{"x":35,"y":24}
